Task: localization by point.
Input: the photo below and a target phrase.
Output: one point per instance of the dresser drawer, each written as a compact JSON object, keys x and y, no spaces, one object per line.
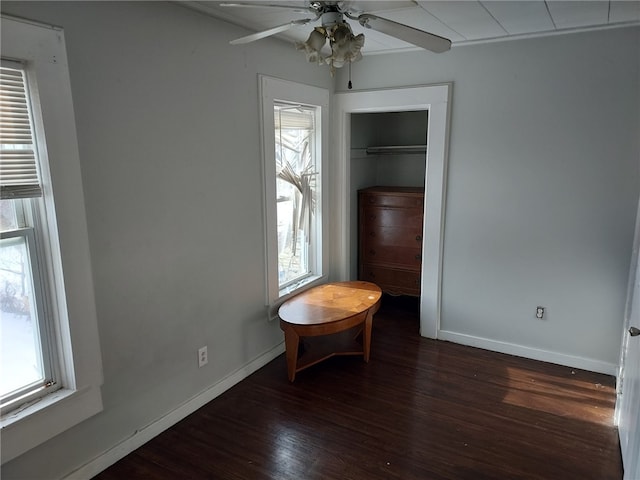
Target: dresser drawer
{"x":390,"y":200}
{"x":390,"y":280}
{"x":372,"y":236}
{"x":409,"y":257}
{"x":399,"y":217}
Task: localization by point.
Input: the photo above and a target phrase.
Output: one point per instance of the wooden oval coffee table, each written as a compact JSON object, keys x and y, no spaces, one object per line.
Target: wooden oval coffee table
{"x":333,"y":319}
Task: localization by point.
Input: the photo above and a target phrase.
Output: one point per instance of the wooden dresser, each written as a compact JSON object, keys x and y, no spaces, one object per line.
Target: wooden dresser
{"x":390,"y":238}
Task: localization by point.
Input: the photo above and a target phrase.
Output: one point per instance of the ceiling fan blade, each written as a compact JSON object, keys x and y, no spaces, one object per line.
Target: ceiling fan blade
{"x":272,"y":31}
{"x":267,"y":5}
{"x":420,"y":38}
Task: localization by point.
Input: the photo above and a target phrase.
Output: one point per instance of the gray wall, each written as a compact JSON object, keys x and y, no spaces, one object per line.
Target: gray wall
{"x":167,"y":121}
{"x":542,"y":187}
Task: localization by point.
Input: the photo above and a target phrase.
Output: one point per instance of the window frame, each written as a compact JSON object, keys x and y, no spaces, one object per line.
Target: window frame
{"x":46,"y":333}
{"x":28,"y":206}
{"x":274,"y":90}
{"x":65,"y":245}
{"x":313,"y":256}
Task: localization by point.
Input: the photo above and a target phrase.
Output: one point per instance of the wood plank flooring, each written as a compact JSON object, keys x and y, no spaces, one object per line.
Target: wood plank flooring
{"x":420,"y":409}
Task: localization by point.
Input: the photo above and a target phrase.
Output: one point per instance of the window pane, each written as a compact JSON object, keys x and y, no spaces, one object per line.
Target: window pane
{"x":292,"y":242}
{"x":21,"y":355}
{"x":295,"y":189}
{"x":8,"y":217}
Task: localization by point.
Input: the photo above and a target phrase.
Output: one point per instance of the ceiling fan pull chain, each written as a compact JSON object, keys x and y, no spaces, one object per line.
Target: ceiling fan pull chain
{"x":349,"y":85}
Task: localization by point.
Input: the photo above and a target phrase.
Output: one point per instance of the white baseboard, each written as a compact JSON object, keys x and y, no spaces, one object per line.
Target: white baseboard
{"x":528,"y":352}
{"x":142,"y":436}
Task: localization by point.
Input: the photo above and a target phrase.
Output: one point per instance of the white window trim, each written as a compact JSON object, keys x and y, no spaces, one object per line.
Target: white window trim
{"x":271,"y":90}
{"x":42,"y":48}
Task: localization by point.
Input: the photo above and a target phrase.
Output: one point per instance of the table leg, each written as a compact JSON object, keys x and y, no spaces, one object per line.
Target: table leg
{"x":291,"y":342}
{"x":366,"y":335}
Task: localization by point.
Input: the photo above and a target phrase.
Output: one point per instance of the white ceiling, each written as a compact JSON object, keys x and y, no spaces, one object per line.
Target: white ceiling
{"x":462,"y":22}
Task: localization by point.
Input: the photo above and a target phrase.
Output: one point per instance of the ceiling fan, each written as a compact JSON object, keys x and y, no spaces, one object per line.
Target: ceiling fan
{"x":345,"y":47}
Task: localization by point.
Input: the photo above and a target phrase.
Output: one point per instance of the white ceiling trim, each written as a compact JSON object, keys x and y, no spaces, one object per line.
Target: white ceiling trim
{"x":551,"y":33}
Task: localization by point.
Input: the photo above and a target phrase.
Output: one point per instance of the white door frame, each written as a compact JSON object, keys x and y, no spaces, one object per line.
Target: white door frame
{"x":435,"y":99}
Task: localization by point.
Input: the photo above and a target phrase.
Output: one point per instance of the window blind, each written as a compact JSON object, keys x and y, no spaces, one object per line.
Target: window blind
{"x":293,"y":118}
{"x":18,"y":166}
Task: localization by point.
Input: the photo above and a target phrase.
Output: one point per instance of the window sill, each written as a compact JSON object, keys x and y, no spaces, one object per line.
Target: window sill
{"x":27,"y":427}
{"x":292,"y":290}
{"x":297,"y":287}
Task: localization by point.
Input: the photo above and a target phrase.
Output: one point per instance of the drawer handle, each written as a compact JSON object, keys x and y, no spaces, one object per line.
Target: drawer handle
{"x":418,"y":257}
{"x":372,"y":275}
{"x":372,"y":252}
{"x":372,"y":234}
{"x":372,"y":217}
{"x":418,"y":238}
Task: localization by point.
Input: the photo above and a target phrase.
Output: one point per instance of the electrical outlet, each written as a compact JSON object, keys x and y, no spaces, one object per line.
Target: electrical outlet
{"x":203,"y":358}
{"x":540,"y":312}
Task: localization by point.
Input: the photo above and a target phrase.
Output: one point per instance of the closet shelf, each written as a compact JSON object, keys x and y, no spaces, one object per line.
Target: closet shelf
{"x":396,"y":149}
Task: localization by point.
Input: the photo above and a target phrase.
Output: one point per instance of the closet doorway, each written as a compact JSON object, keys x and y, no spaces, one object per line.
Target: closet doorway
{"x":434,"y":101}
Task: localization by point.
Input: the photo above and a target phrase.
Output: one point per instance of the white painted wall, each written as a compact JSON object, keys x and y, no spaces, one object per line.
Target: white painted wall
{"x":168,"y":132}
{"x":542,"y":188}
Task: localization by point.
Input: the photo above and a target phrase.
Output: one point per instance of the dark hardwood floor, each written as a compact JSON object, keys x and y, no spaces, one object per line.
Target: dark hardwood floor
{"x":420,"y":409}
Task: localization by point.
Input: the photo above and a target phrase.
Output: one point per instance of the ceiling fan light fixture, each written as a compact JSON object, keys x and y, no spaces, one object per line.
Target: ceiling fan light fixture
{"x":313,"y":46}
{"x":345,"y":47}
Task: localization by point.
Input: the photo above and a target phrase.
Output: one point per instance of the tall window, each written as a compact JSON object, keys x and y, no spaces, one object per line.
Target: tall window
{"x":23,"y":322}
{"x":297,"y":180}
{"x":294,"y":135}
{"x":50,"y":364}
